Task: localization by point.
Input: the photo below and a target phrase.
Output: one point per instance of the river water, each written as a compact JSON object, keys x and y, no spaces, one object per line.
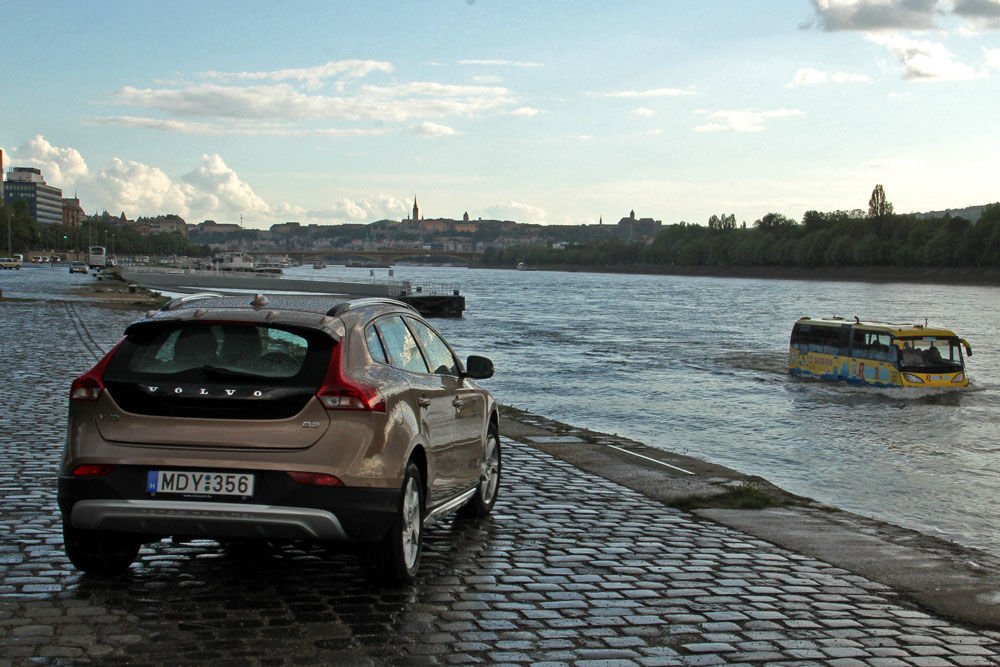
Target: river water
{"x":697,"y":366}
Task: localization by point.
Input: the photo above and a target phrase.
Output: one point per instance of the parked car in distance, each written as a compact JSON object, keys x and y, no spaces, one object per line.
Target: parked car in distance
{"x":77,"y":267}
{"x":277,"y":418}
{"x":9,"y":263}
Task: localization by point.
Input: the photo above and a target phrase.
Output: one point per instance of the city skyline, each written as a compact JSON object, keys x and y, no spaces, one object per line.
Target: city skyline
{"x":551,"y":112}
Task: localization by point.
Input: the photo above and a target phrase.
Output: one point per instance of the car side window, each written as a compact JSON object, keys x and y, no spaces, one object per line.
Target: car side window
{"x":375,"y":348}
{"x":400,"y":345}
{"x":439,"y":356}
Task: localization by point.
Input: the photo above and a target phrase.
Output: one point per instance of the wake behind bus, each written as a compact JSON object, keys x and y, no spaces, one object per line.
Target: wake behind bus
{"x":878,"y":354}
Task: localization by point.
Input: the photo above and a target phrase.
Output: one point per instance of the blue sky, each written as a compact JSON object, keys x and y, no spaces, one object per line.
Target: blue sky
{"x":549,"y":112}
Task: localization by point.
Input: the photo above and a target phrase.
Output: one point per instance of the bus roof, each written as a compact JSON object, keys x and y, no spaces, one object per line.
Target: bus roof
{"x":894,"y":328}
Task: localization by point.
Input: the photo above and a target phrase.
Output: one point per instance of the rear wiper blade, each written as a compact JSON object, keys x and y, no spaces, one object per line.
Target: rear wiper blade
{"x":227,"y":372}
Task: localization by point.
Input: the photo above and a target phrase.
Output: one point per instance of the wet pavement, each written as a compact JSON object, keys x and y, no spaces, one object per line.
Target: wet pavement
{"x":571,"y":568}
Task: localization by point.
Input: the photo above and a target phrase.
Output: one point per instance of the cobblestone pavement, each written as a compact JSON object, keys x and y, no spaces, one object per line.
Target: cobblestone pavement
{"x":570,"y":569}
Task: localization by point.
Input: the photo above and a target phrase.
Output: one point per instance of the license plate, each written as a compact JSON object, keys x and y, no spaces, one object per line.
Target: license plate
{"x":201,"y":483}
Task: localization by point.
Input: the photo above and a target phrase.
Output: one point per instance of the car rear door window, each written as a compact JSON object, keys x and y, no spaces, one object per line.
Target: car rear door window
{"x":375,"y":348}
{"x":400,"y":345}
{"x":439,"y":355}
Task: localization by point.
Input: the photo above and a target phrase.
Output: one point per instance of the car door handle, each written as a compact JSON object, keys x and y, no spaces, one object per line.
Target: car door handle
{"x":424,"y":402}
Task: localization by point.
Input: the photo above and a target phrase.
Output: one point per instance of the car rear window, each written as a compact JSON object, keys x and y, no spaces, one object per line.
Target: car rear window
{"x":264,"y":352}
{"x":234,"y":370}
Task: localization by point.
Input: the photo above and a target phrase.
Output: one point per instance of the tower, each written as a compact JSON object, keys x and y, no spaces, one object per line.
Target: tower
{"x":416,"y":209}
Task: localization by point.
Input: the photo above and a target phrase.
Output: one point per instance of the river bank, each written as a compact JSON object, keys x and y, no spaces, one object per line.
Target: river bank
{"x":872,"y":274}
{"x":945,"y":578}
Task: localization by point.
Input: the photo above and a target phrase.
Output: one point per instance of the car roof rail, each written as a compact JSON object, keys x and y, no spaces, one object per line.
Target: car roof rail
{"x":181,"y":301}
{"x":342,"y":308}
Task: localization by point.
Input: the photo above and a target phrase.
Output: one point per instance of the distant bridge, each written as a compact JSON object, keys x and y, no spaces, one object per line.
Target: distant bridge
{"x":338,"y":255}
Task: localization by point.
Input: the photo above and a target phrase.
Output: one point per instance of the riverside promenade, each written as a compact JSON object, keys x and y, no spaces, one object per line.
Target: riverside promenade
{"x":582,"y":562}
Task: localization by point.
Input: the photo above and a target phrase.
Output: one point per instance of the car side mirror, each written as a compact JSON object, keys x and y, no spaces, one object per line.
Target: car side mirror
{"x":968,"y":348}
{"x":478,"y":368}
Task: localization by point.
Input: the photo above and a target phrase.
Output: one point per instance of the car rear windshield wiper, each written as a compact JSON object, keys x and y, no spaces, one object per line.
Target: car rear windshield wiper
{"x":228,"y":373}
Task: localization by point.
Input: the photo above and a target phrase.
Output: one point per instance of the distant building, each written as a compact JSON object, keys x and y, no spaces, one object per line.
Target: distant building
{"x":72,"y":212}
{"x":286,"y":228}
{"x":631,"y":227}
{"x":44,"y":202}
{"x":211,"y":227}
{"x":162,"y":224}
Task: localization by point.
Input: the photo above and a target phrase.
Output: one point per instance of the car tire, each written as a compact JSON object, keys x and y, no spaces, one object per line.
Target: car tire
{"x":395,"y":559}
{"x":482,"y":503}
{"x":100,"y":552}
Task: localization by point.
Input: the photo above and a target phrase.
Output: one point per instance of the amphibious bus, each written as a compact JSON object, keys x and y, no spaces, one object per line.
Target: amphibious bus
{"x":877,"y":354}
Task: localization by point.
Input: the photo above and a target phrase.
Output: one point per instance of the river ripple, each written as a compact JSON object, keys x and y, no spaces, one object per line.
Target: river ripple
{"x":696,"y":366}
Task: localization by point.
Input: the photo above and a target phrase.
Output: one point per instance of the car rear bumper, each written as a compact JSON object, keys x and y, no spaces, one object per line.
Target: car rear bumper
{"x":207,"y":519}
{"x":281,"y":510}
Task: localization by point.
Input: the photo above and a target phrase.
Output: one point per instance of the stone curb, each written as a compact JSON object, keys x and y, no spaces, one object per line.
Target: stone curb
{"x":947,"y":579}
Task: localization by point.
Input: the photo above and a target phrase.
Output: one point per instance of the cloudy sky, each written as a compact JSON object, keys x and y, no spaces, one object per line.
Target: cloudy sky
{"x":558,"y":112}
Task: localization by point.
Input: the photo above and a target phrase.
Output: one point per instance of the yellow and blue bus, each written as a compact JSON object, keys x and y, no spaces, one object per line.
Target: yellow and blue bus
{"x":877,"y":354}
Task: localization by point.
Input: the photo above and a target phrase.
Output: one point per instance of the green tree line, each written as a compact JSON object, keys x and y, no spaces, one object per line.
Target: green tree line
{"x":20,"y":233}
{"x":835,"y":239}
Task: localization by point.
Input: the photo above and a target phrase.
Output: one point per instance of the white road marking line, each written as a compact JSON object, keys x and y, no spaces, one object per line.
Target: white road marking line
{"x":620,"y":449}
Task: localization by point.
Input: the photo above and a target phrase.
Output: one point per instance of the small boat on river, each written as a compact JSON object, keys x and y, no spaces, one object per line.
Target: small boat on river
{"x":878,"y":354}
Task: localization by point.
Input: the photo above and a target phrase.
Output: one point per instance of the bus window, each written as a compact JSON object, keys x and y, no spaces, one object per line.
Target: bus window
{"x":821,"y":339}
{"x":872,"y":345}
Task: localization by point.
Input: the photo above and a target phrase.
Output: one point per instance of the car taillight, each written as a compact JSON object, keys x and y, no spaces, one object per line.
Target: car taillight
{"x":340,"y":392}
{"x":314,"y":479}
{"x":93,"y":470}
{"x":88,"y":387}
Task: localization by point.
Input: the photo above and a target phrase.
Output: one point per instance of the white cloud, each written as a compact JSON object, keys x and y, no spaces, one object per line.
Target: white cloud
{"x":215,"y":187}
{"x":310,"y":76}
{"x":655,"y":92}
{"x":234,"y":128}
{"x":747,"y":120}
{"x":869,"y":15}
{"x":525,"y":112}
{"x":993,"y":58}
{"x":808,"y":76}
{"x":429,"y":129}
{"x":392,"y":103}
{"x":500,"y":63}
{"x":875,"y":15}
{"x":925,"y":60}
{"x":644,"y":112}
{"x":212,"y":190}
{"x":137,"y":189}
{"x":61,"y":167}
{"x":379,"y":207}
{"x":981,"y":14}
{"x":514,"y":210}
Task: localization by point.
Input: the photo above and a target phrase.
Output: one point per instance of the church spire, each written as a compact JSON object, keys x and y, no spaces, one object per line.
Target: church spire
{"x":416,"y":209}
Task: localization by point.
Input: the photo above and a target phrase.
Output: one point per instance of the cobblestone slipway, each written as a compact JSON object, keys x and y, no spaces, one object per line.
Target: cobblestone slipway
{"x":570,"y":569}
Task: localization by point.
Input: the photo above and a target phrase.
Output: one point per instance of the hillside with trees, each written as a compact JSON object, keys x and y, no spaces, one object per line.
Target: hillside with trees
{"x":23,"y":233}
{"x":836,"y":239}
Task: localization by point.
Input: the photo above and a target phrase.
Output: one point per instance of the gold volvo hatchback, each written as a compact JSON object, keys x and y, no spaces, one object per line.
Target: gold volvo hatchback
{"x":277,"y":419}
